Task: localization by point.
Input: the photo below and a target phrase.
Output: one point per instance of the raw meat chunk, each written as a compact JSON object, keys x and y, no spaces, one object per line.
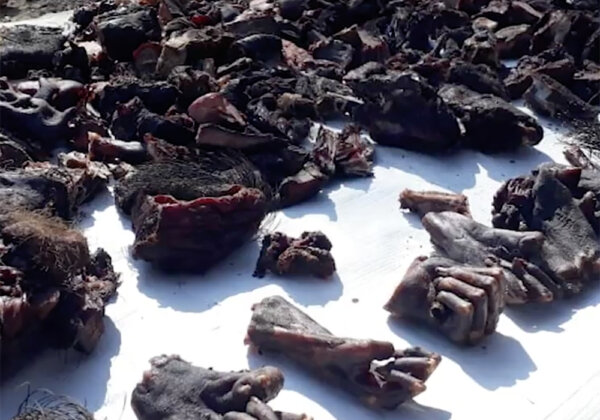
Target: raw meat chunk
{"x":373,"y":371}
{"x":310,"y":254}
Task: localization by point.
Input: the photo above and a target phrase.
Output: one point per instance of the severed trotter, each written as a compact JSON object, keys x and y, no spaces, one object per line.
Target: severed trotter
{"x":373,"y":371}
{"x":464,"y":302}
{"x":176,"y":389}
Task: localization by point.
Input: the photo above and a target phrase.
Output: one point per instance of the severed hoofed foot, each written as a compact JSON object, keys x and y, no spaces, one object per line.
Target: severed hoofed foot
{"x":422,"y":202}
{"x":374,"y":371}
{"x":176,"y":389}
{"x":310,"y":254}
{"x":466,"y":241}
{"x":464,"y":302}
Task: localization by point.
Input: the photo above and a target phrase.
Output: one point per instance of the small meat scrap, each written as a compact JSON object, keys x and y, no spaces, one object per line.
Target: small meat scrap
{"x":176,"y":389}
{"x":422,"y":202}
{"x":310,"y":254}
{"x":373,"y":371}
{"x":44,"y":405}
{"x":305,"y":184}
{"x":464,"y":302}
{"x":346,"y":153}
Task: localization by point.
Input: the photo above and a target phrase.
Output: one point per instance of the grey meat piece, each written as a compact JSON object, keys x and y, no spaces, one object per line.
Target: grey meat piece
{"x":373,"y":371}
{"x":464,"y":302}
{"x":544,"y":202}
{"x":176,"y":389}
{"x":466,"y":241}
{"x":490,"y":123}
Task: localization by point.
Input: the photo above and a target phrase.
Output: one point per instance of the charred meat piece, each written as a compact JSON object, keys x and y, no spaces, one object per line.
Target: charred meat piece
{"x":333,"y":50}
{"x":157,"y":96}
{"x":465,"y":241}
{"x":13,"y":154}
{"x":53,"y":291}
{"x":192,"y":83}
{"x":464,"y":302}
{"x":422,"y":202}
{"x":262,"y":47}
{"x":346,"y":153}
{"x":571,"y":253}
{"x":131,"y":121}
{"x":482,"y":48}
{"x":174,"y":388}
{"x":404,"y":111}
{"x":265,"y":114}
{"x":477,"y":77}
{"x":490,"y":123}
{"x":332,"y":98}
{"x":550,"y":98}
{"x":373,"y":371}
{"x":43,"y":404}
{"x":43,"y":186}
{"x":28,"y":47}
{"x":123,"y":30}
{"x":513,"y":41}
{"x":283,"y":255}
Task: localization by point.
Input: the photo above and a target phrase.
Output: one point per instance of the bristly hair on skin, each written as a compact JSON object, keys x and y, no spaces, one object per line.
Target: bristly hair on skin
{"x":42,"y":404}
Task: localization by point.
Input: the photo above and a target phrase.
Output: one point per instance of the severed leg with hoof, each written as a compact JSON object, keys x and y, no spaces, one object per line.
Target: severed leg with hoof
{"x":176,"y":389}
{"x":374,"y":371}
{"x":464,"y":302}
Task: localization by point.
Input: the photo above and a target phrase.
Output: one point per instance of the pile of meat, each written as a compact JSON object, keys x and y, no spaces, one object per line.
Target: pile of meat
{"x":544,"y":245}
{"x":52,"y":289}
{"x":176,"y":389}
{"x":175,"y":82}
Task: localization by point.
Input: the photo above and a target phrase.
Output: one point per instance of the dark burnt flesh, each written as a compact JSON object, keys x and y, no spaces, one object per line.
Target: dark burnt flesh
{"x":283,"y":255}
{"x":174,"y":388}
{"x":373,"y":371}
{"x":53,"y":290}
